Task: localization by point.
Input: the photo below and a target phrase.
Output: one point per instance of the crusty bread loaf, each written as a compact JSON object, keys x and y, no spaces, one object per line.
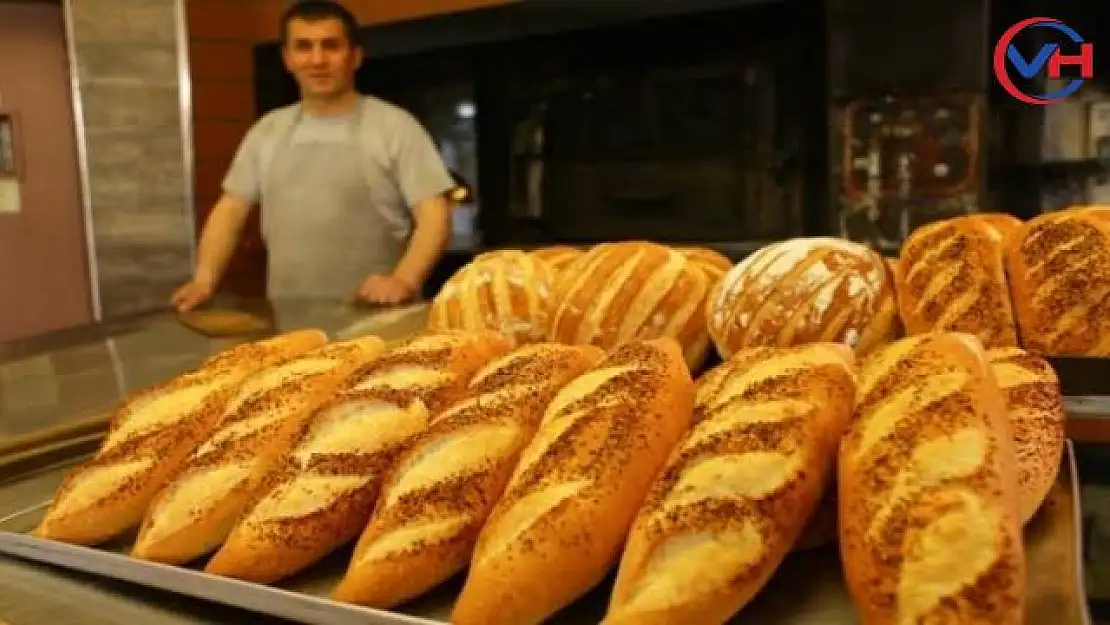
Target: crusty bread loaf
{"x":444,"y":486}
{"x":1032,"y":394}
{"x":149,"y":436}
{"x":738,"y":490}
{"x":321,"y":494}
{"x":1005,"y":223}
{"x":821,"y":528}
{"x":930,"y":529}
{"x":508,"y":291}
{"x":1059,"y":269}
{"x":557,"y":256}
{"x":806,"y":290}
{"x":559,"y":526}
{"x":631,"y":290}
{"x":951,"y":277}
{"x":194,"y":512}
{"x":712,"y":262}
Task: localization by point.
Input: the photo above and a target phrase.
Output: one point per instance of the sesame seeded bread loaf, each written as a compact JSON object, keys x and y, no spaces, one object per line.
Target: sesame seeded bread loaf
{"x":930,"y":528}
{"x":320,"y":495}
{"x":1032,"y":394}
{"x":806,"y":290}
{"x":194,"y":512}
{"x":738,"y":490}
{"x":149,"y":436}
{"x":712,"y":262}
{"x":508,"y":291}
{"x":557,"y":256}
{"x":1059,"y":269}
{"x":444,"y":486}
{"x":951,"y":277}
{"x":631,"y":290}
{"x":558,"y":528}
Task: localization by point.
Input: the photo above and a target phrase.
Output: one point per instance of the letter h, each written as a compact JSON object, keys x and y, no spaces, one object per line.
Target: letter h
{"x":1085,"y":60}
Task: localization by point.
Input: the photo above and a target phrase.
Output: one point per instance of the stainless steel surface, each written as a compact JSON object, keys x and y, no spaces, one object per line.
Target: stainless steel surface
{"x":185,"y":96}
{"x":82,"y":161}
{"x":66,"y":376}
{"x":807,"y":590}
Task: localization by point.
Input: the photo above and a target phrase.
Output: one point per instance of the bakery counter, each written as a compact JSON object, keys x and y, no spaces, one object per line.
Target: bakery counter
{"x":68,"y":380}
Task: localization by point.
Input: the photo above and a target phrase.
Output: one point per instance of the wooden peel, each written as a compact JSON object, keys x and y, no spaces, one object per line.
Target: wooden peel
{"x":218,"y":323}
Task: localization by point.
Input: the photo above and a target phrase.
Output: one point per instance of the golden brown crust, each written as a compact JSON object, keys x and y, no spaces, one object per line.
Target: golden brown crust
{"x":193,"y":513}
{"x":738,"y":490}
{"x":444,"y":486}
{"x":507,"y":291}
{"x":572,"y":497}
{"x":320,"y":494}
{"x":149,"y":436}
{"x":1032,"y":394}
{"x":930,"y":528}
{"x":951,"y":277}
{"x":712,"y":262}
{"x":557,"y":256}
{"x":805,"y":290}
{"x":1059,"y":268}
{"x":631,"y":290}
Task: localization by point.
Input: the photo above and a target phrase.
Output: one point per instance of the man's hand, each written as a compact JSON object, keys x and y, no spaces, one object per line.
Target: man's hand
{"x":191,"y":295}
{"x":380,"y":289}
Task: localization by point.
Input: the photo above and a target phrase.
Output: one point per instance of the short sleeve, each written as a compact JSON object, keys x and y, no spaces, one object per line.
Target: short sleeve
{"x":244,"y":178}
{"x":420,"y":170}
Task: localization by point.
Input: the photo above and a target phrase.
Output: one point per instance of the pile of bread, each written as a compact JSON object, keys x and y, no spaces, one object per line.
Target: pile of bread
{"x":539,"y":462}
{"x":1043,"y":285}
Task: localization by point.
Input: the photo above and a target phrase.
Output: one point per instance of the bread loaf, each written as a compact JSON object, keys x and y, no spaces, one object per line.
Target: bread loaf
{"x":738,"y":490}
{"x":1032,"y":394}
{"x":149,"y":436}
{"x":620,"y":292}
{"x":321,"y":494}
{"x":507,"y":291}
{"x":557,"y":256}
{"x":952,"y":277}
{"x":194,"y":512}
{"x":930,"y":530}
{"x":1059,"y":268}
{"x":712,"y":262}
{"x":443,"y":487}
{"x":807,"y":290}
{"x":571,"y":499}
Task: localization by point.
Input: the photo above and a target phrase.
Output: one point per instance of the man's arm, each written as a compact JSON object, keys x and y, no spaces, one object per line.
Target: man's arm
{"x":430,"y":235}
{"x":219,"y":238}
{"x":423,"y":180}
{"x":221,"y":231}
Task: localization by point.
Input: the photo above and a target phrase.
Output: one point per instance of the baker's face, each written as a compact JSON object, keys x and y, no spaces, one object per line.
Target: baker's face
{"x":320,"y":56}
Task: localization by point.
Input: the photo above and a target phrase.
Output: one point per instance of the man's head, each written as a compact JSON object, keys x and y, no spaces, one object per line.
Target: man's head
{"x":320,"y":47}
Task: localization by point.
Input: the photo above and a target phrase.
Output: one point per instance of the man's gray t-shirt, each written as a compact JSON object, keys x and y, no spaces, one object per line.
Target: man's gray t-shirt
{"x":364,"y":170}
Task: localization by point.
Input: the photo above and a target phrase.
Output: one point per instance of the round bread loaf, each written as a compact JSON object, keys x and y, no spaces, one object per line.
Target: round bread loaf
{"x":507,"y":291}
{"x":712,"y":262}
{"x":631,"y":290}
{"x":800,"y":291}
{"x":557,"y":256}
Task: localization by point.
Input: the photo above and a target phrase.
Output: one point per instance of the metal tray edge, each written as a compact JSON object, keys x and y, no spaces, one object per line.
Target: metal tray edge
{"x":1077,"y":532}
{"x":300,"y":607}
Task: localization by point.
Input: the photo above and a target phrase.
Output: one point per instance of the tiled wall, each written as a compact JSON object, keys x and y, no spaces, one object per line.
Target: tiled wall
{"x":139,"y":173}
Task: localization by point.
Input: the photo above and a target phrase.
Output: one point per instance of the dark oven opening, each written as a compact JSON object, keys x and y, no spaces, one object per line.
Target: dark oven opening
{"x":683,"y":129}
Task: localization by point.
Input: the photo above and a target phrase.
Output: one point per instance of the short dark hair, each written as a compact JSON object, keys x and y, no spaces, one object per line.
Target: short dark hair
{"x":316,"y":10}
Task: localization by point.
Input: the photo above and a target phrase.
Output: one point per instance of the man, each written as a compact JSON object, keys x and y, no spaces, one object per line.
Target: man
{"x":351,"y":188}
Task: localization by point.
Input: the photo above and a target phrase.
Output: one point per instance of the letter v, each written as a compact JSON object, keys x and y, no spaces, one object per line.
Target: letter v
{"x":1029,"y":69}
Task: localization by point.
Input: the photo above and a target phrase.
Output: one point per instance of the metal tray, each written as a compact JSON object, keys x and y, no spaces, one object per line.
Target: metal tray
{"x":807,"y":590}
